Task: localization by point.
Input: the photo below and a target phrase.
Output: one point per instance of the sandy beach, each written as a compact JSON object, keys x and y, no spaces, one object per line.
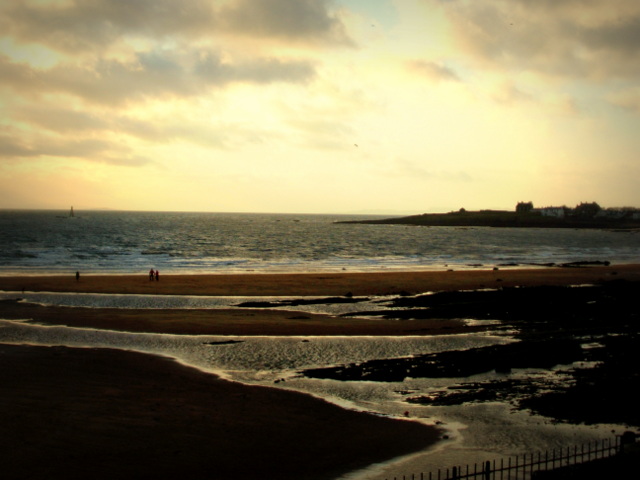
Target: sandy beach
{"x":79,"y":413}
{"x":378,"y":283}
{"x":272,"y":322}
{"x":98,"y":413}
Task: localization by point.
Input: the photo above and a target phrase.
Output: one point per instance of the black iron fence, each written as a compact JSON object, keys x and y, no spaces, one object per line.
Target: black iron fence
{"x":525,"y":467}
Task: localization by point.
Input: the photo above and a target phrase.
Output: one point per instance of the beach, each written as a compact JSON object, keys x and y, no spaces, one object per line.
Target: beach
{"x":329,"y":284}
{"x":99,"y":413}
{"x":79,"y":412}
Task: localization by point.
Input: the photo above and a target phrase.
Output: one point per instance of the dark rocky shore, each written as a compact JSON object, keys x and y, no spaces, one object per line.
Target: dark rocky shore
{"x":586,"y":339}
{"x":500,"y":218}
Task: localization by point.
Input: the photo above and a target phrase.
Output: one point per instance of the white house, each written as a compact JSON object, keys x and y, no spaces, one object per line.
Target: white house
{"x":558,"y":212}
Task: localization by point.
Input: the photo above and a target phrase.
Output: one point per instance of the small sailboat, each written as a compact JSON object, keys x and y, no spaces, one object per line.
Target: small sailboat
{"x":71,"y":214}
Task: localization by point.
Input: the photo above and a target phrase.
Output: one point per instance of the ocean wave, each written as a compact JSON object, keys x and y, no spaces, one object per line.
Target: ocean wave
{"x":124,"y":242}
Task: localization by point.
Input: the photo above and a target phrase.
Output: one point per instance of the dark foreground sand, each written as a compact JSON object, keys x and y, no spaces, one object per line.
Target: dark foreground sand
{"x":97,"y":413}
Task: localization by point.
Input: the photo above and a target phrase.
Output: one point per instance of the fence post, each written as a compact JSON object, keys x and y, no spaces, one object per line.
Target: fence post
{"x":487,"y":470}
{"x":602,"y":448}
{"x":546,"y":460}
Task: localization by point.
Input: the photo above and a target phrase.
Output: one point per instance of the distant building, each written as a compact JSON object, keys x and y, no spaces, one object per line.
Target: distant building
{"x":587,"y":210}
{"x":523,"y":207}
{"x":613,"y":213}
{"x":620,"y":213}
{"x":557,"y":212}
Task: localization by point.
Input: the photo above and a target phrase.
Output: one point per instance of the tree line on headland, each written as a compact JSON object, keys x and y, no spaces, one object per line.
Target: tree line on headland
{"x":584,"y":215}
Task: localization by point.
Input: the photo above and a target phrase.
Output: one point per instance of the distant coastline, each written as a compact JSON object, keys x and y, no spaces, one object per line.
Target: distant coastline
{"x":525,"y":216}
{"x":500,"y":219}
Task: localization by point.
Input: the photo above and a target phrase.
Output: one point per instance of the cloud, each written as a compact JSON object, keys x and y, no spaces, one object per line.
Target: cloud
{"x":127,"y":53}
{"x":433,"y":71}
{"x":117,"y":54}
{"x":16,"y":144}
{"x":80,"y":25}
{"x":628,"y":99}
{"x":106,"y":81}
{"x":574,"y":38}
{"x":151,"y":75}
{"x":11,"y":146}
{"x":509,"y":94}
{"x":212,"y":69}
{"x":297,"y":20}
{"x":59,"y":119}
{"x":92,"y":25}
{"x":621,"y":36}
{"x":19,"y":76}
{"x":113,"y":128}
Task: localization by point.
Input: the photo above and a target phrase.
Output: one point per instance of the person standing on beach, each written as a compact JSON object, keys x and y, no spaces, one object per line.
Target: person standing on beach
{"x":77,"y":276}
{"x":151,"y":274}
{"x":157,"y":276}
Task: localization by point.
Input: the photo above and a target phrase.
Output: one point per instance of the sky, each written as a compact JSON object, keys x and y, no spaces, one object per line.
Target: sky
{"x":319,"y":106}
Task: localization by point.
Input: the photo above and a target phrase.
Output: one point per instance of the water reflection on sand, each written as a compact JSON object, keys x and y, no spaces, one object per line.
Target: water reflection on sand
{"x":129,"y":301}
{"x":476,"y":432}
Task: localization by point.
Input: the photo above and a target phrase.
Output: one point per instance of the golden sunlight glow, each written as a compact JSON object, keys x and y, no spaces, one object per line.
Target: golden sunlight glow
{"x":347,"y":106}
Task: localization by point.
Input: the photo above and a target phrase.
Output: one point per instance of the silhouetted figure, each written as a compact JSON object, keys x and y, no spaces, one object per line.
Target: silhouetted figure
{"x":77,"y":276}
{"x":151,"y":274}
{"x":157,"y":276}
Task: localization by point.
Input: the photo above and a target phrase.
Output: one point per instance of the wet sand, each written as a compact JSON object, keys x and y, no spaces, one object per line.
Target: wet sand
{"x":104,"y":414}
{"x":379,"y":283}
{"x":272,"y":322}
{"x":245,"y":322}
{"x":98,"y":413}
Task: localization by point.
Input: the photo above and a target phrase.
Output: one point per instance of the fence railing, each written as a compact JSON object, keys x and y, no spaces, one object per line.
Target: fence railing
{"x":524,"y":467}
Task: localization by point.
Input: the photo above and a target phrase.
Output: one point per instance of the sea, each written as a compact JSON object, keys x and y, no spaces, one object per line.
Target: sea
{"x":117,"y":242}
{"x":111,"y":242}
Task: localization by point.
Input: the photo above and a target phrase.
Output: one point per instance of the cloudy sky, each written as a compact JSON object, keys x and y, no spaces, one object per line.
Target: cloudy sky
{"x":318,"y":106}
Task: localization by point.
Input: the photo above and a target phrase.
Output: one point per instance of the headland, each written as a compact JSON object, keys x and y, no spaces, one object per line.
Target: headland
{"x":585,"y":215}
